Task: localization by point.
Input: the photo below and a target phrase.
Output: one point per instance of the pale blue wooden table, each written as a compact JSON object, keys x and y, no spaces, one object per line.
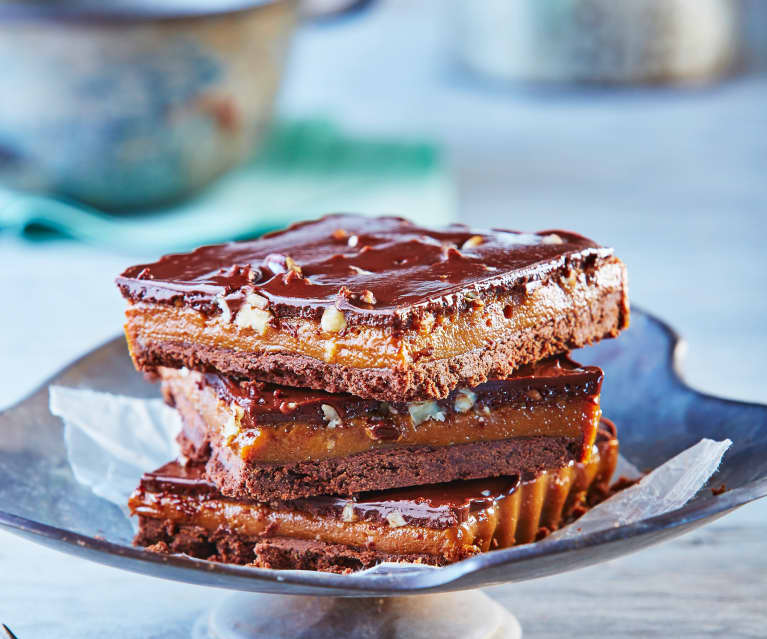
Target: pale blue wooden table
{"x":677,"y":182}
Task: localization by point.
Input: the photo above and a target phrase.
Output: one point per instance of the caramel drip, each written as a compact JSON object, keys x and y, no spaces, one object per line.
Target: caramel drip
{"x":539,"y":506}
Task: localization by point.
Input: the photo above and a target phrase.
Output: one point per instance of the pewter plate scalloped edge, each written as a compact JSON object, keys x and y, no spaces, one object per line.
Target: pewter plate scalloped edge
{"x":657,"y":414}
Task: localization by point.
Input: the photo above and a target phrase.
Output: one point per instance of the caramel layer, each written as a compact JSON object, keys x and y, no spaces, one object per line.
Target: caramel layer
{"x":485,"y":514}
{"x":435,"y":337}
{"x":549,"y":411}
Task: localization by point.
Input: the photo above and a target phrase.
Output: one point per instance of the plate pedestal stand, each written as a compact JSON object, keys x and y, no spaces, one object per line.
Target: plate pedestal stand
{"x":469,"y":615}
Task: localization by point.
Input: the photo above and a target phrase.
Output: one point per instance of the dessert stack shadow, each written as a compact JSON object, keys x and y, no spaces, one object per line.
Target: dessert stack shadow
{"x":356,"y":390}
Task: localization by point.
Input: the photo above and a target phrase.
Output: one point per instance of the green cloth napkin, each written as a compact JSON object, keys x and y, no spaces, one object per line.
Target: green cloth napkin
{"x":304,"y":170}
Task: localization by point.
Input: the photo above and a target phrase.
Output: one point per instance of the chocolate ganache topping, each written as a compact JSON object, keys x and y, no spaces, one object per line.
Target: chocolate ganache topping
{"x":436,"y":506}
{"x":379,"y":271}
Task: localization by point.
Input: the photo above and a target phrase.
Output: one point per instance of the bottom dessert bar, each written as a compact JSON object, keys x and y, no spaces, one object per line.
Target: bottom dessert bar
{"x":181,"y":512}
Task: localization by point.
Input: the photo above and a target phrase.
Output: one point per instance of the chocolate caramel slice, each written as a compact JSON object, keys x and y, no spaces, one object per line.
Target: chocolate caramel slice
{"x":377,"y":307}
{"x":180,"y":511}
{"x":263,"y":441}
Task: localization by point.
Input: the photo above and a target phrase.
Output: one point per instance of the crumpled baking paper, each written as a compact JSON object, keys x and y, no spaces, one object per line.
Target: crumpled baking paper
{"x":113,"y":439}
{"x":668,"y":487}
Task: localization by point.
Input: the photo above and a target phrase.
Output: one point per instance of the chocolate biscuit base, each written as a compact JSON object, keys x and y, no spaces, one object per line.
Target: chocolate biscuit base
{"x":179,"y":511}
{"x":402,"y":313}
{"x":386,"y":468}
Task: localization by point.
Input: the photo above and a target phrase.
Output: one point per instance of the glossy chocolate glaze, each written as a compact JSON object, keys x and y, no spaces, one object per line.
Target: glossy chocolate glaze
{"x":264,"y":403}
{"x":437,"y":506}
{"x":379,"y":271}
{"x":434,"y":506}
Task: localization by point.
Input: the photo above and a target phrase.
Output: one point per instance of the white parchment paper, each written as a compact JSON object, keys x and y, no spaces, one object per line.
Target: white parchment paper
{"x":112,"y":440}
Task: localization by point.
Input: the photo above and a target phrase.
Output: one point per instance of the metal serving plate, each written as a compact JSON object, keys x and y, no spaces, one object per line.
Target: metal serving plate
{"x":657,"y":415}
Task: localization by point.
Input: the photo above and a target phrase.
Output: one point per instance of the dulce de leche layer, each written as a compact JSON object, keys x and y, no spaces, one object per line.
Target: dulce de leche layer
{"x":441,"y":523}
{"x":378,"y":307}
{"x":266,"y":423}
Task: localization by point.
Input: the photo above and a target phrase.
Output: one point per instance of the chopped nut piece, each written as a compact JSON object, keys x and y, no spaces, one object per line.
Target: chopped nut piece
{"x":474,"y":300}
{"x":331,"y":416}
{"x":333,"y":320}
{"x":465,"y":400}
{"x":340,"y":234}
{"x":532,"y":286}
{"x":348,"y":514}
{"x":396,"y":519}
{"x":345,"y":293}
{"x":293,"y":275}
{"x":421,"y":411}
{"x":292,"y":266}
{"x":252,"y":314}
{"x":232,"y":426}
{"x":472,"y":242}
{"x":368,"y":297}
{"x":426,"y":323}
{"x":226,"y":314}
{"x":259,"y":301}
{"x":553,"y":238}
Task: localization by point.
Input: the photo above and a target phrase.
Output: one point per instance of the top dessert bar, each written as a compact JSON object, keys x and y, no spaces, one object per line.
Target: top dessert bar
{"x":377,"y":307}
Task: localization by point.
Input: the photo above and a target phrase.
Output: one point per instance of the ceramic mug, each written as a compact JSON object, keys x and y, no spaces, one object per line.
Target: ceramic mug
{"x":122,"y":106}
{"x":611,"y":41}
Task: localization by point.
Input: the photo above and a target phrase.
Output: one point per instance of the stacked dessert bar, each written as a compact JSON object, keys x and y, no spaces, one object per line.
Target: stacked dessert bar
{"x":356,"y":390}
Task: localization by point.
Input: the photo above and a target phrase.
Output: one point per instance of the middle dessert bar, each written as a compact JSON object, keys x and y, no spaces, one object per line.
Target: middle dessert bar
{"x":266,"y":442}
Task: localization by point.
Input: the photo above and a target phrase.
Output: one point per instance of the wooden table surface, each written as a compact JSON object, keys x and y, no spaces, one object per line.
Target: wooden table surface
{"x":674,"y":180}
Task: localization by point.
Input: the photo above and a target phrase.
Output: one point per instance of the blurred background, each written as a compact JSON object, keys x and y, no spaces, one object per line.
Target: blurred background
{"x":133,"y":128}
